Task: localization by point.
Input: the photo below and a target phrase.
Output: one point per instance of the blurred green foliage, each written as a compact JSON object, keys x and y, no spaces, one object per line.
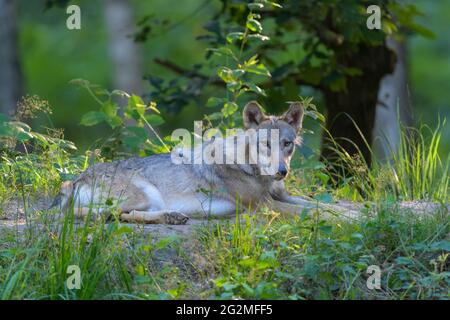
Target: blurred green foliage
{"x":53,"y":55}
{"x":430,"y":68}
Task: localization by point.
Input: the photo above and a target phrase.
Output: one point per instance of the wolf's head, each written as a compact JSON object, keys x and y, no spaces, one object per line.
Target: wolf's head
{"x":277,"y":137}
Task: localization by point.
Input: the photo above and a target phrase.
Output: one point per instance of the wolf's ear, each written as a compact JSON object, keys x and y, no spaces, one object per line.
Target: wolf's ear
{"x":294,"y":116}
{"x":253,"y":115}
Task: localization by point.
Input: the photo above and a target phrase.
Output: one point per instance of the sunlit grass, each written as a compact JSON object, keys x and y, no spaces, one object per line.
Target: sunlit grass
{"x":263,"y":256}
{"x":414,"y":171}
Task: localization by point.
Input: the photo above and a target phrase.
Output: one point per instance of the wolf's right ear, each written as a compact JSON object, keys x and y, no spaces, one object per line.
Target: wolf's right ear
{"x":253,"y":115}
{"x":294,"y":116}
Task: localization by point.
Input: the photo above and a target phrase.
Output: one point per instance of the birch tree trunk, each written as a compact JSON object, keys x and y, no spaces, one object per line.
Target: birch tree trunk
{"x":123,"y":51}
{"x":351,"y":114}
{"x":10,"y":71}
{"x":393,"y":105}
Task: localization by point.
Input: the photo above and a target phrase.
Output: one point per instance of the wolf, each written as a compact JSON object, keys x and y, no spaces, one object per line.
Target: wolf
{"x":156,"y":190}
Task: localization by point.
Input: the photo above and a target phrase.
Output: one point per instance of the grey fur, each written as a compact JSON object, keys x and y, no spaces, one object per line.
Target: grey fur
{"x":155,"y":190}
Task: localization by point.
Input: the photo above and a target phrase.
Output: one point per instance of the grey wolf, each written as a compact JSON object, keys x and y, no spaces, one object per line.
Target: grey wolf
{"x":155,"y":190}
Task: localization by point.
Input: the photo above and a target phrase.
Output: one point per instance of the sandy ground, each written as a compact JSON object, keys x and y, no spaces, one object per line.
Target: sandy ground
{"x":12,"y":215}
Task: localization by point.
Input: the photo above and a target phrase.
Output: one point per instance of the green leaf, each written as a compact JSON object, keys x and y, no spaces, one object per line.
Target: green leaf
{"x":136,"y":103}
{"x":223,"y":51}
{"x":324,"y":197}
{"x":110,"y":108}
{"x":357,"y":235}
{"x":233,"y":86}
{"x":304,"y":214}
{"x":322,"y":176}
{"x":132,"y":142}
{"x":388,"y":27}
{"x":255,"y":6}
{"x":226,"y":75}
{"x":154,"y":119}
{"x":120,"y":93}
{"x":257,"y":69}
{"x":256,"y":89}
{"x":114,"y":121}
{"x":123,"y":230}
{"x":315,"y":115}
{"x":237,"y":73}
{"x":404,"y":261}
{"x":233,"y":36}
{"x":214,"y":102}
{"x":254,"y":25}
{"x":253,"y":60}
{"x":92,"y":118}
{"x":80,"y":82}
{"x":229,"y":108}
{"x":441,"y":245}
{"x":214,"y":116}
{"x":22,"y":131}
{"x":247,"y":262}
{"x":258,"y":36}
{"x":277,"y":5}
{"x":167,"y":242}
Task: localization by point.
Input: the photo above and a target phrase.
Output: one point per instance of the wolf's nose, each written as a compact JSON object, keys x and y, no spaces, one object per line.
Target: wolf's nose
{"x":282,"y":172}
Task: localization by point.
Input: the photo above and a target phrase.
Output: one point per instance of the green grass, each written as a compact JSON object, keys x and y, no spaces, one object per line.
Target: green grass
{"x":115,"y":261}
{"x":266,"y":256}
{"x":414,"y":172}
{"x":311,"y":259}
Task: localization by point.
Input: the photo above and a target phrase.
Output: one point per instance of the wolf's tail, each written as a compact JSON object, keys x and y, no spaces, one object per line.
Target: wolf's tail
{"x":63,"y":198}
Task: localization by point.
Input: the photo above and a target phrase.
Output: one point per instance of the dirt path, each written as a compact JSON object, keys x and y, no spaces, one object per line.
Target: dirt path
{"x":14,"y":215}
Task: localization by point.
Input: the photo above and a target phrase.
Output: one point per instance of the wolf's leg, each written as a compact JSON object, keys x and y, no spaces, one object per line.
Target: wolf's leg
{"x":279,"y":193}
{"x":328,"y":211}
{"x":221,"y":207}
{"x":83,"y":212}
{"x":155,"y":217}
{"x":192,"y":205}
{"x":296,"y":200}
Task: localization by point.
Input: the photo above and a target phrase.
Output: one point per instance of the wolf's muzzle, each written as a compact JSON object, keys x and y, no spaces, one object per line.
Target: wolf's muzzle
{"x":281,"y":173}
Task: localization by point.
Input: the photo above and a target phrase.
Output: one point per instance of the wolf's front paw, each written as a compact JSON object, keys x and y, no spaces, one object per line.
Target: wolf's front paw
{"x":175,"y":218}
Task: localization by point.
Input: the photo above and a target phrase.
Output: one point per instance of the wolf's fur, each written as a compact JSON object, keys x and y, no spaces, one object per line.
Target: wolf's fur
{"x":155,"y":190}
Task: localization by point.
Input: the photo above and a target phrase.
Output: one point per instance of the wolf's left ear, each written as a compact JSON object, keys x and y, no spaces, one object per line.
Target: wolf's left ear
{"x":253,"y":115}
{"x":294,"y":116}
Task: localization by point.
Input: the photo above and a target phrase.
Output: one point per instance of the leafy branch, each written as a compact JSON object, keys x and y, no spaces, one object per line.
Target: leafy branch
{"x":129,"y":128}
{"x":236,"y":73}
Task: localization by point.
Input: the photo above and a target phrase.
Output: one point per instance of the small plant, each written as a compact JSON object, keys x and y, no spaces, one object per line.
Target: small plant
{"x":418,"y":170}
{"x":239,"y":73}
{"x":23,"y":171}
{"x":414,"y":172}
{"x":133,"y":131}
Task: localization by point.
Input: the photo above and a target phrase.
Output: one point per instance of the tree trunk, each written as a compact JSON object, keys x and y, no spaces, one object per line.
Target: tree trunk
{"x":123,"y":51}
{"x":393,"y":106}
{"x":10,"y":71}
{"x":356,"y":105}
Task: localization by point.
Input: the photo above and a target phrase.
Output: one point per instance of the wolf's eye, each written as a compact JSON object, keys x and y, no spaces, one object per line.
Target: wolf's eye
{"x":288,"y":143}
